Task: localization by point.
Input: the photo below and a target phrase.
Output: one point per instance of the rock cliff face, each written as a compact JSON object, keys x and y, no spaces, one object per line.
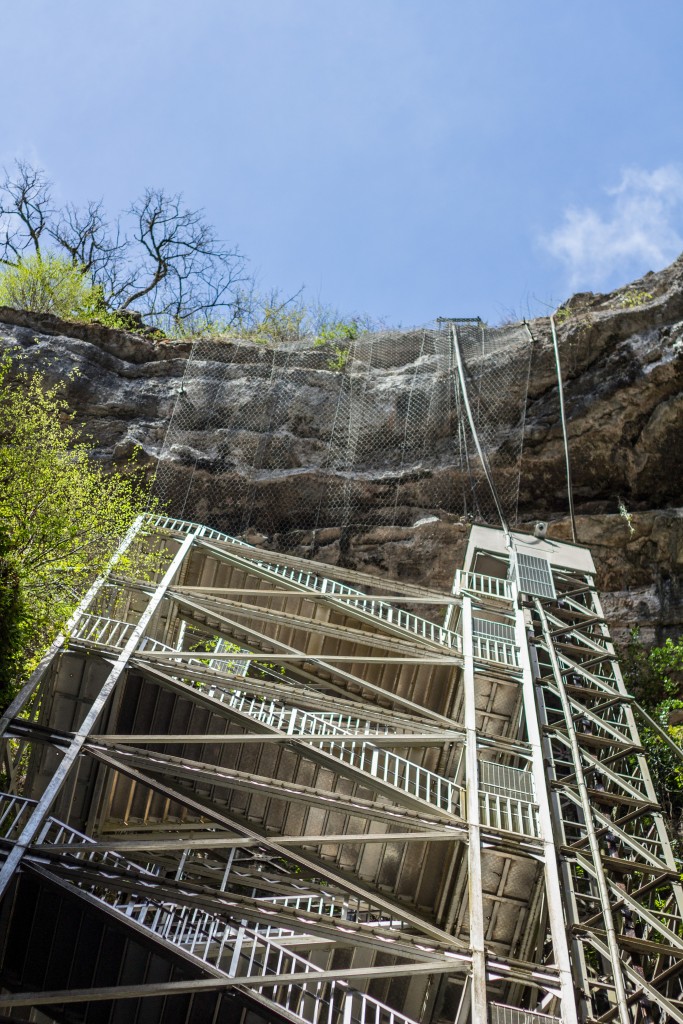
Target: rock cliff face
{"x":622,"y":355}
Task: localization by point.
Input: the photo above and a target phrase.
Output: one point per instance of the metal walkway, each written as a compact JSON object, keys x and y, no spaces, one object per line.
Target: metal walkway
{"x":287,"y":797}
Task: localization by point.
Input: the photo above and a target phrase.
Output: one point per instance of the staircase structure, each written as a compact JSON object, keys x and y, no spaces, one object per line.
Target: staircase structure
{"x":256,"y":789}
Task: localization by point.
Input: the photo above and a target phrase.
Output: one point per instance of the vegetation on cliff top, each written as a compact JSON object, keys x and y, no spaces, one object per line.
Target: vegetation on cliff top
{"x":158,"y":258}
{"x":157,"y":266}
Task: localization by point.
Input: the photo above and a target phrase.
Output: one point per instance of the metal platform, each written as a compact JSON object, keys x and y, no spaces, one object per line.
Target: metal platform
{"x":258,"y":788}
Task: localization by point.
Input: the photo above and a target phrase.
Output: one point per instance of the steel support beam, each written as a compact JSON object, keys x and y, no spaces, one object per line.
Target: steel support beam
{"x":587,"y":811}
{"x":475,"y":887}
{"x":553,"y":886}
{"x":298,"y":856}
{"x":43,"y":805}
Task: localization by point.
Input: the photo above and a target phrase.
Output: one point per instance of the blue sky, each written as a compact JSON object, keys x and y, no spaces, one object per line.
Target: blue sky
{"x":403,"y":158}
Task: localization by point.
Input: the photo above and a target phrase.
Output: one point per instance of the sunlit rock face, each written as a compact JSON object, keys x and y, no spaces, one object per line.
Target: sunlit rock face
{"x":622,"y":355}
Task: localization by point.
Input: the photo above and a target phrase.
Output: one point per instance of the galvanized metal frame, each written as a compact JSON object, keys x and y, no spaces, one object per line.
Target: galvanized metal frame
{"x":532,"y":697}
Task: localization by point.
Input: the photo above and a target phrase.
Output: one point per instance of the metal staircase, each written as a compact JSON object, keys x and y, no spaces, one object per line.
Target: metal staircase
{"x":230,"y":949}
{"x":290,"y":798}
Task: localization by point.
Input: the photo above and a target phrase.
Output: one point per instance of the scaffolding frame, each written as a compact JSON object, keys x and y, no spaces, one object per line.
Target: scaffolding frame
{"x":380,"y":819}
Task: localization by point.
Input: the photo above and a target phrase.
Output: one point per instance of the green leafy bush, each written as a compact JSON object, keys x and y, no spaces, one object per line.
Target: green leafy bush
{"x":61,"y":519}
{"x":633,"y":299}
{"x":13,"y":623}
{"x":338,"y":330}
{"x":53,"y":284}
{"x":48,"y":284}
{"x":655,"y":678}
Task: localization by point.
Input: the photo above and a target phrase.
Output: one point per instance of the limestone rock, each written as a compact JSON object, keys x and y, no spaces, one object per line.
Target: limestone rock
{"x":622,"y":356}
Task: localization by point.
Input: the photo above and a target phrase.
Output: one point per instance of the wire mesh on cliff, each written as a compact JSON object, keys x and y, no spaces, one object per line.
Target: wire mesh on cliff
{"x":372,"y":432}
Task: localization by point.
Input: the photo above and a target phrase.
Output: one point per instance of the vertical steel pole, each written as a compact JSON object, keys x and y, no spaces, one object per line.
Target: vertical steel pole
{"x":553,"y":887}
{"x":476,"y":905}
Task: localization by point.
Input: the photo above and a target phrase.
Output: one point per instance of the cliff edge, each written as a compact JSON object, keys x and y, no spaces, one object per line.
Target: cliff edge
{"x":622,"y":355}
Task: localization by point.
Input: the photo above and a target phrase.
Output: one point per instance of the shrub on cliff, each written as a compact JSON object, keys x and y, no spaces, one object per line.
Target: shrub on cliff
{"x":159,"y":258}
{"x":47,"y":284}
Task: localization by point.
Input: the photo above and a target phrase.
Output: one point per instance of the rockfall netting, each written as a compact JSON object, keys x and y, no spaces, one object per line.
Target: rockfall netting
{"x":360,"y":433}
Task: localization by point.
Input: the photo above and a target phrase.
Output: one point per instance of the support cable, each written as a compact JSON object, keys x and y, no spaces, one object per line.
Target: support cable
{"x":563,"y":419}
{"x":480,"y":451}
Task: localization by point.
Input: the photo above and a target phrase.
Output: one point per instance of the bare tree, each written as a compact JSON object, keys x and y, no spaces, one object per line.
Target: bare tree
{"x":25,"y":212}
{"x":85,"y":235}
{"x":183,"y":271}
{"x":160,"y":259}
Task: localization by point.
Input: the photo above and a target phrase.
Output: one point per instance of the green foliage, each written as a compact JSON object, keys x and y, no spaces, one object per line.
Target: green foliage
{"x":159,"y":257}
{"x":334,"y":332}
{"x":626,"y":516}
{"x":13,"y":623}
{"x":53,"y":284}
{"x":577,"y":311}
{"x":267,"y":319}
{"x":338,"y":330}
{"x":95,"y":310}
{"x":273,"y":319}
{"x":635,"y":298}
{"x":278,"y":322}
{"x":47,"y":284}
{"x":655,"y":678}
{"x":338,"y":361}
{"x":666,"y":664}
{"x":61,"y":518}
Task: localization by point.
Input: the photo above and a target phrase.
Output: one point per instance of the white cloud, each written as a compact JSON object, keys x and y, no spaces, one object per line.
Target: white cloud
{"x":641,"y":230}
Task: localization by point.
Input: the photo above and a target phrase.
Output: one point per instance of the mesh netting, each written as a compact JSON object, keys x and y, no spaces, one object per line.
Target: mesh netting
{"x":371,"y":432}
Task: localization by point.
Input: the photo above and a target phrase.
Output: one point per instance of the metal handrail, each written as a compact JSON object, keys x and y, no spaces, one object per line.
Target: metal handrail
{"x":242,"y":950}
{"x":414,"y":624}
{"x":509,"y":814}
{"x":228,"y":948}
{"x":486,"y":586}
{"x":397,"y":771}
{"x":108,"y":632}
{"x":497,"y":651}
{"x":391,"y":768}
{"x":501,"y":1014}
{"x":14,"y":809}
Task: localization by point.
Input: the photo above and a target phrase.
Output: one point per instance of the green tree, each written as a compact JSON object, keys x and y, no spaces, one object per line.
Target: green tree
{"x":13,"y":623}
{"x":47,"y":284}
{"x":61,"y":519}
{"x":655,"y":678}
{"x":159,"y":258}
